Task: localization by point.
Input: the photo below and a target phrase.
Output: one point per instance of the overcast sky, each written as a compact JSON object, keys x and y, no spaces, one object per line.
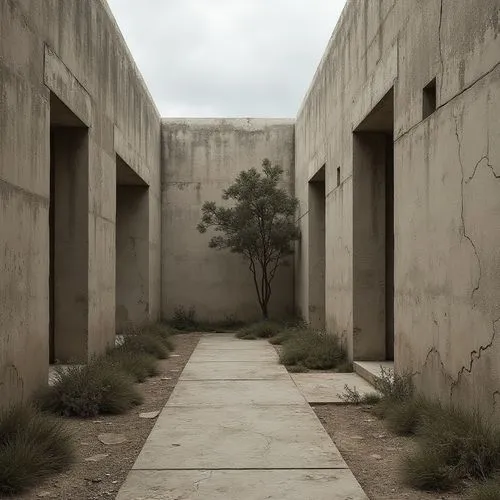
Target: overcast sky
{"x":228,"y":58}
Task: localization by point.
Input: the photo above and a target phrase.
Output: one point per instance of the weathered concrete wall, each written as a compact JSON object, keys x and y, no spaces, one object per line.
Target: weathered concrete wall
{"x":72,"y":50}
{"x":201,"y":157}
{"x":446,"y":183}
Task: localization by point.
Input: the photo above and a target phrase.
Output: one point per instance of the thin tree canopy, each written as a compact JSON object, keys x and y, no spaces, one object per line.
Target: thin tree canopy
{"x":260,"y":225}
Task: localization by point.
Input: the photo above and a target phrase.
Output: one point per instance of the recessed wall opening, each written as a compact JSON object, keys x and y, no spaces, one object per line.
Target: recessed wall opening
{"x":429,"y":99}
{"x":132,"y":247}
{"x":317,"y":244}
{"x":373,"y":234}
{"x":68,"y":232}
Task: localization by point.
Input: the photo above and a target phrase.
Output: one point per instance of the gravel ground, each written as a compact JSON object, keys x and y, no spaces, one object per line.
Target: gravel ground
{"x":372,"y":452}
{"x":89,"y":480}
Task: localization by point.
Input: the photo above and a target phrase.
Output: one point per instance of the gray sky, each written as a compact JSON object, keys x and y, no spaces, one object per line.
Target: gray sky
{"x":227,"y":57}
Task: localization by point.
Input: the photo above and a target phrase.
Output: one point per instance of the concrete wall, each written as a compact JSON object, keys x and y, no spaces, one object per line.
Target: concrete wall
{"x":202,"y":157}
{"x":446,"y":183}
{"x":69,"y":51}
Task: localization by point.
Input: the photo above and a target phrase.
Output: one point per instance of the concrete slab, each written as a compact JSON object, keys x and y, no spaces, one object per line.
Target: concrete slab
{"x":238,"y":437}
{"x":235,"y":392}
{"x":371,"y":370}
{"x":240,"y":346}
{"x":221,"y":355}
{"x":234,"y":371}
{"x":225,"y":337}
{"x":326,"y":387}
{"x":247,"y":485}
{"x":218,"y":342}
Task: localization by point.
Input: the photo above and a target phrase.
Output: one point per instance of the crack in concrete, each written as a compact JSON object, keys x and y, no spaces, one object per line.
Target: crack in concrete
{"x":433,"y":350}
{"x":493,"y":171}
{"x":474,"y":356}
{"x":196,"y":484}
{"x":464,"y":232}
{"x":484,"y":157}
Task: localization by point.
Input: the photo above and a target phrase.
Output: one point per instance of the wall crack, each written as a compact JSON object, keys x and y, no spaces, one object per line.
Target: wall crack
{"x":474,"y":356}
{"x":464,"y":231}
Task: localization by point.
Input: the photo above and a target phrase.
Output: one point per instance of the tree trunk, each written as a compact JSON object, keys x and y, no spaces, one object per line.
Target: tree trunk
{"x":263,"y":306}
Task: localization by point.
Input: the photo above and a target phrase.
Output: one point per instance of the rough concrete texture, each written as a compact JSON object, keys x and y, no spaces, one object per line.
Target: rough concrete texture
{"x":446,"y":189}
{"x":255,"y":355}
{"x":250,"y":392}
{"x":200,"y":158}
{"x":250,"y":370}
{"x":400,"y":258}
{"x":65,"y":69}
{"x":310,"y":484}
{"x":222,"y":439}
{"x":328,"y":387}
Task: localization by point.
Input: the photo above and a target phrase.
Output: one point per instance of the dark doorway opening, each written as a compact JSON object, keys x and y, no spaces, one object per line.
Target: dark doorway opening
{"x":132,"y":248}
{"x":317,"y":243}
{"x":373,"y":234}
{"x":68,"y":235}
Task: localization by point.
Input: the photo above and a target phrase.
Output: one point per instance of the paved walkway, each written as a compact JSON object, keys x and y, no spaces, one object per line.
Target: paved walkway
{"x":237,"y":428}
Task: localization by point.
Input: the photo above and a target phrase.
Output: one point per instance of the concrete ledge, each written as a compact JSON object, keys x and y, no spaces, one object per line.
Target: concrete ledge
{"x":130,"y":156}
{"x":67,"y":88}
{"x":371,"y":370}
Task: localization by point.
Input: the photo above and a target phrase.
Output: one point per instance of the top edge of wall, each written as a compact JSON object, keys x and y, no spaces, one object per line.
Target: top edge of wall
{"x":333,"y":39}
{"x":243,"y":123}
{"x":108,"y":10}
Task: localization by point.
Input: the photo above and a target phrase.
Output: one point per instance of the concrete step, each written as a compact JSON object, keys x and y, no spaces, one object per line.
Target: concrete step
{"x":371,"y":370}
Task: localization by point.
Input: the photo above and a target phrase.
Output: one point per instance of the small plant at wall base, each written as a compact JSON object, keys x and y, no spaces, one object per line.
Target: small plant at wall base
{"x":260,"y":225}
{"x":33,"y":446}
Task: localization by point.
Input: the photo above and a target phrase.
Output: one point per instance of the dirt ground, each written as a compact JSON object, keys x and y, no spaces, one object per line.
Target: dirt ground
{"x":96,"y":480}
{"x":372,"y":452}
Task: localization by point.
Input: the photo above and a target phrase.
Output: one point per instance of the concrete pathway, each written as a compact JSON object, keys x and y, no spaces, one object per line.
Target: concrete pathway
{"x":237,"y":428}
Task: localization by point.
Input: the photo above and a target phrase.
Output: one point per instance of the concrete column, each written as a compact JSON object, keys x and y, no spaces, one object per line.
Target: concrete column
{"x":69,"y":244}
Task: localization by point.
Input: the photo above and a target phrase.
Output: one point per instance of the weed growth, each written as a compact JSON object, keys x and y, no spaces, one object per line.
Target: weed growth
{"x":99,"y":387}
{"x":32,"y":447}
{"x":313,"y":350}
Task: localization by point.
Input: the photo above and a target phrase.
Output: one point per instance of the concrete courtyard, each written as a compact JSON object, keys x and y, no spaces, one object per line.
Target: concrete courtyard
{"x":237,"y":426}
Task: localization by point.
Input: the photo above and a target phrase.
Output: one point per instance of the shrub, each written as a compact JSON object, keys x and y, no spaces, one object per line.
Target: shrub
{"x":228,"y":324}
{"x":426,"y":470}
{"x":314,"y":350}
{"x":395,"y":386}
{"x":162,"y":332}
{"x":463,"y":446}
{"x":137,"y":364}
{"x":145,"y":343}
{"x":184,"y":320}
{"x":282,"y":336}
{"x":261,"y":330}
{"x":353,"y":396}
{"x":99,"y":387}
{"x":371,"y":398}
{"x":487,"y":490}
{"x":297,"y":369}
{"x":405,"y":417}
{"x":32,"y":447}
